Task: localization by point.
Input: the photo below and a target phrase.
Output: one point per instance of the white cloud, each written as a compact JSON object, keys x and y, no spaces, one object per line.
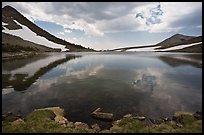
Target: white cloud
{"x":101,"y":17}
{"x":60,"y":33}
{"x":172,"y":13}
{"x":67,"y":31}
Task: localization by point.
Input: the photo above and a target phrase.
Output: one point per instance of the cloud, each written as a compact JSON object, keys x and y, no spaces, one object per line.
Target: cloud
{"x":152,"y":15}
{"x":169,"y":17}
{"x":67,"y":31}
{"x":60,"y":33}
{"x":98,"y":18}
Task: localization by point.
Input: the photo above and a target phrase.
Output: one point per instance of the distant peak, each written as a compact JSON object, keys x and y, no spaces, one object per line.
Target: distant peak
{"x":181,"y":36}
{"x":8,"y":7}
{"x":178,"y":34}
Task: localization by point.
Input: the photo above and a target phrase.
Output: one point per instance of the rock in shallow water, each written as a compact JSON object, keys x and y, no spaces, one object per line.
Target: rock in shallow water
{"x":127,"y":116}
{"x":102,"y":115}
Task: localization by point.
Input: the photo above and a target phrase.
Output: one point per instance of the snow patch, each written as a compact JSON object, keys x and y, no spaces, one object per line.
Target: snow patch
{"x":26,"y":34}
{"x":144,"y":49}
{"x":152,"y":49}
{"x":3,"y":23}
{"x":180,"y":47}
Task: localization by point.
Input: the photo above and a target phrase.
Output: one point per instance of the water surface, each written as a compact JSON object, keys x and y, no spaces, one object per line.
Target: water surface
{"x":150,"y":84}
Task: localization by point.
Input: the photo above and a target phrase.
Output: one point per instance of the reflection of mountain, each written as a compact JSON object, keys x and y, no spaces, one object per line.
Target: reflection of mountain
{"x":174,"y":62}
{"x":22,"y":81}
{"x":16,"y":63}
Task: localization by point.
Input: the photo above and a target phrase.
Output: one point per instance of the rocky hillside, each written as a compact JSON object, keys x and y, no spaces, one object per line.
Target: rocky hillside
{"x":12,"y":43}
{"x":178,"y":39}
{"x":13,"y":20}
{"x":175,"y":43}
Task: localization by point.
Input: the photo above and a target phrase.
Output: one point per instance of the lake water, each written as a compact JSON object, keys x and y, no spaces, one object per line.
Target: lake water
{"x":152,"y":84}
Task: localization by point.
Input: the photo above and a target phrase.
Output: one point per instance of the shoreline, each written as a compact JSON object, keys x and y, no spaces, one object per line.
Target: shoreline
{"x":54,"y":117}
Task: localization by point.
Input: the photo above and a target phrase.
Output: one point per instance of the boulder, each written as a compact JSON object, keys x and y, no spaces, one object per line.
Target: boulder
{"x":165,"y":119}
{"x":17,"y":122}
{"x":61,"y":120}
{"x":141,"y":118}
{"x":70,"y":124}
{"x":81,"y":125}
{"x":102,"y":115}
{"x":184,"y":117}
{"x":127,"y":116}
{"x":95,"y":127}
{"x":198,"y":115}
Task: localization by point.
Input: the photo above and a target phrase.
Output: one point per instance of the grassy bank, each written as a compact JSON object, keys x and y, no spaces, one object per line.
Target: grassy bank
{"x":52,"y":120}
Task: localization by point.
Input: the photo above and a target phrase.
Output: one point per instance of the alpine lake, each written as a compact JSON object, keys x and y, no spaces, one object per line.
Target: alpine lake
{"x":151,"y":84}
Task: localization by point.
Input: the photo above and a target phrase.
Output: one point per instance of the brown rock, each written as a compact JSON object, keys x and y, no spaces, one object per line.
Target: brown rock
{"x":61,"y":120}
{"x":127,"y":116}
{"x":70,"y":124}
{"x":102,"y":115}
{"x":96,"y":127}
{"x":141,"y":118}
{"x":17,"y":122}
{"x":81,"y":125}
{"x":178,"y":116}
{"x":198,"y":115}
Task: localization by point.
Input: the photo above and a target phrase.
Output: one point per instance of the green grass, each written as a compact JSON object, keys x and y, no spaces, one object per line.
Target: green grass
{"x":42,"y":121}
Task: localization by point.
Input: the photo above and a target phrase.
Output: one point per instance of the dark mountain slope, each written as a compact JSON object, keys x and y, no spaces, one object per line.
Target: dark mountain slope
{"x":9,"y":14}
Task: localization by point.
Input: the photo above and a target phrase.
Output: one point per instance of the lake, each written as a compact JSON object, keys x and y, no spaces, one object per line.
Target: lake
{"x":152,"y":84}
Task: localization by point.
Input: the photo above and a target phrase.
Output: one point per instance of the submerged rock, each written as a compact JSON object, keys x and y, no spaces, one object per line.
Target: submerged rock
{"x":127,"y":116}
{"x":102,"y":115}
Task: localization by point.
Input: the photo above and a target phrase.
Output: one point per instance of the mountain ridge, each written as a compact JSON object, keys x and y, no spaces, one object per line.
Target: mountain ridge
{"x":175,"y":39}
{"x":9,"y":14}
{"x":172,"y":41}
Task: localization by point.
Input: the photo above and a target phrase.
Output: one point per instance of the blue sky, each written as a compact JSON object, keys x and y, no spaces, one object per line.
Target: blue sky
{"x":108,"y":25}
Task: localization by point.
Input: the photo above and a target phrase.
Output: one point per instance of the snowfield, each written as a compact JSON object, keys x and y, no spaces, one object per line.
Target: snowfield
{"x":179,"y":47}
{"x":144,"y":49}
{"x":29,"y":35}
{"x":152,"y":49}
{"x":4,"y":23}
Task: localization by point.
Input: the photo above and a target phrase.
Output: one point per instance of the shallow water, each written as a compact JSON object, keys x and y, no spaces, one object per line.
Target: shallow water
{"x":152,"y":84}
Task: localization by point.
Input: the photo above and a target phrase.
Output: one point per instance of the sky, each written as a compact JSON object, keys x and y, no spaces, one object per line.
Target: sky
{"x":110,"y":25}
